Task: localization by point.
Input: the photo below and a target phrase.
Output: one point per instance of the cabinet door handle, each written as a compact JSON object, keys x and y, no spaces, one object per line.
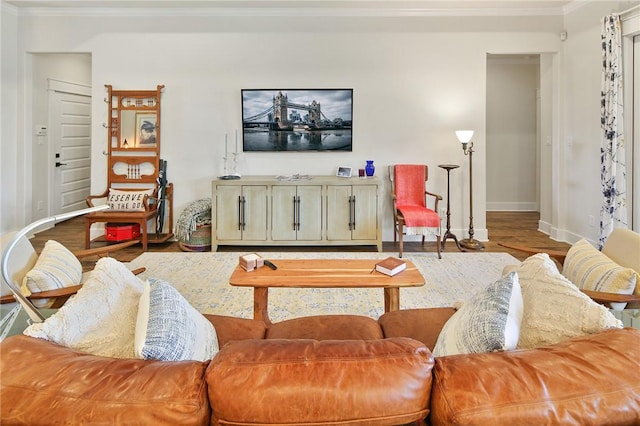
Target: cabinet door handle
{"x":239,"y":212}
{"x":244,"y":206}
{"x":350,"y":215}
{"x":353,"y":212}
{"x":295,"y":210}
{"x":298,"y":214}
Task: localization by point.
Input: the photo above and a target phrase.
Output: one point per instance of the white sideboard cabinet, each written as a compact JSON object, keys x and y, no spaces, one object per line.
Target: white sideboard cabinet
{"x":322,"y":210}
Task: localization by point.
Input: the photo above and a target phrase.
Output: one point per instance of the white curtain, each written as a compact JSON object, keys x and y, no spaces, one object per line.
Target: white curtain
{"x":612,"y":153}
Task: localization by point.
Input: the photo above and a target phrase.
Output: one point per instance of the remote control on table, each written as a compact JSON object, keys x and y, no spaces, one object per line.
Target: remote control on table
{"x":270,"y":264}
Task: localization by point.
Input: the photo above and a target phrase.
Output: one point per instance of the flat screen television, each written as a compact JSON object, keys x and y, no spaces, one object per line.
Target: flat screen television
{"x":277,"y":120}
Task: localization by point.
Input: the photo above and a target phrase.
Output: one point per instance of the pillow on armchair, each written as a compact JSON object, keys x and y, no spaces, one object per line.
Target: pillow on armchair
{"x":589,"y":269}
{"x":56,"y":267}
{"x":127,"y":200}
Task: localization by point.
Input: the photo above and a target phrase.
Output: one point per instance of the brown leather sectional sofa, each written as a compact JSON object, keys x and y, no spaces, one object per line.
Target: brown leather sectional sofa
{"x":350,"y":370}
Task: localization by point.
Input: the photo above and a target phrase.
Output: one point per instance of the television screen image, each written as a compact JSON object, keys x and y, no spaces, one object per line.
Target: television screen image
{"x":297,"y":120}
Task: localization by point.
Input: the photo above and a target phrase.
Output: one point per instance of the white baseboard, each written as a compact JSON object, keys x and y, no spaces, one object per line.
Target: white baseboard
{"x":514,"y":206}
{"x":565,"y":236}
{"x":544,"y":227}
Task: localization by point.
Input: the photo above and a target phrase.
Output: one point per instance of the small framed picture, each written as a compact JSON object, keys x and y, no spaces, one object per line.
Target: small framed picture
{"x":145,"y":130}
{"x":344,"y":172}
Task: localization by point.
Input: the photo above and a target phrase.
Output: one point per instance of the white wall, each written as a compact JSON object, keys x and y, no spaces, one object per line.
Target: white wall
{"x":10,"y":183}
{"x":512,"y":134}
{"x":581,"y":195}
{"x":406,"y":107}
{"x":68,"y":67}
{"x":415,"y":79}
{"x":548,"y":133}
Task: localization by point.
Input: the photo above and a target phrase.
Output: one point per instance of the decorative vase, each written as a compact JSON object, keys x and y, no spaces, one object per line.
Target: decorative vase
{"x":369,"y":168}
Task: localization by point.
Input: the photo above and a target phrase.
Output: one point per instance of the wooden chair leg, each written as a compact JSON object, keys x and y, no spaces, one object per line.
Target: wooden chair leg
{"x":87,"y":234}
{"x":400,"y":237}
{"x":145,"y":234}
{"x":438,"y":244}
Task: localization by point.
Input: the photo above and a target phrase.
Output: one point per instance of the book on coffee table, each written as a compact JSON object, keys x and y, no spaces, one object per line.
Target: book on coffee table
{"x":391,"y":266}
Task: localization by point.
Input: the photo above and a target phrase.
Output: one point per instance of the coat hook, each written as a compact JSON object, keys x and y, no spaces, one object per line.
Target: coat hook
{"x":105,"y":153}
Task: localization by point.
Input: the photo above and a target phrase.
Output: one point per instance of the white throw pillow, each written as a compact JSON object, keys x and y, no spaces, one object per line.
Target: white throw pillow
{"x":100,"y":319}
{"x":127,"y":200}
{"x":489,"y":322}
{"x":554,"y":308}
{"x":168,"y":328}
{"x":56,"y":267}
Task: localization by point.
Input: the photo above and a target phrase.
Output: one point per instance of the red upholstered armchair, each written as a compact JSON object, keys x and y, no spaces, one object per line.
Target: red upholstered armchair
{"x":411,"y":214}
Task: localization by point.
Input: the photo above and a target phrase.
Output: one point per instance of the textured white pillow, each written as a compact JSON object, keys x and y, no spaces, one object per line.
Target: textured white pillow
{"x":56,"y":267}
{"x":100,"y":319}
{"x":589,"y":269}
{"x":554,"y":308}
{"x":489,"y":322}
{"x":127,"y":200}
{"x":168,"y":328}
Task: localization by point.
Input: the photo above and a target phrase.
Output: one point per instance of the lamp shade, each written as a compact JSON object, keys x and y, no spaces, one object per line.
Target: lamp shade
{"x":464,"y":136}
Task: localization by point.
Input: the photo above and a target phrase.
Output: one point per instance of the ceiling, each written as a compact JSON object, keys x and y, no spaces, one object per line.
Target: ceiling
{"x":312,"y":7}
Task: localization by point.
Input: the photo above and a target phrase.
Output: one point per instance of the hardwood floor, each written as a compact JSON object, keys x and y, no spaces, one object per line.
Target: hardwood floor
{"x":512,"y":227}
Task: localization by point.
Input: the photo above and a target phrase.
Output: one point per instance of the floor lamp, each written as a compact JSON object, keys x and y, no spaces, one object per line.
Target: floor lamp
{"x":464,"y":136}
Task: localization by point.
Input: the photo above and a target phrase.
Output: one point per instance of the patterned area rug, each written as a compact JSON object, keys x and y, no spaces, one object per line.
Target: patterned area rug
{"x":202,"y":278}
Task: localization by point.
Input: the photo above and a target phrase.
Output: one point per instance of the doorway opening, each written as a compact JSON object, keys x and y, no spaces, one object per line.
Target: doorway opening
{"x":60,"y":131}
{"x":513,"y":134}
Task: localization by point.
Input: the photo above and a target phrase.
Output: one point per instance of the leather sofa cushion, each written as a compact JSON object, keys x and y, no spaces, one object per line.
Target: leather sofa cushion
{"x":585,"y":380}
{"x":375,"y":382}
{"x":423,"y":325}
{"x":231,"y":328}
{"x":44,"y":383}
{"x":327,"y":327}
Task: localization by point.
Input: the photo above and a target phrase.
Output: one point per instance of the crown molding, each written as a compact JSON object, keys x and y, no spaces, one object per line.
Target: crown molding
{"x":286,"y":8}
{"x":9,"y":8}
{"x":575,"y":5}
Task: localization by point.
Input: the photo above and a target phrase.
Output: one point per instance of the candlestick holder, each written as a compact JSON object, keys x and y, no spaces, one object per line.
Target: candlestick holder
{"x":231,"y":167}
{"x":448,"y":234}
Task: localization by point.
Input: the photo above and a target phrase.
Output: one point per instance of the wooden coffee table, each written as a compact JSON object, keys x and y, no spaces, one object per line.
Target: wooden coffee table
{"x":323,"y":273}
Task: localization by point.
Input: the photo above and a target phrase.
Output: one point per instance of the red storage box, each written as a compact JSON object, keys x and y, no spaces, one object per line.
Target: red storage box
{"x":121,"y":231}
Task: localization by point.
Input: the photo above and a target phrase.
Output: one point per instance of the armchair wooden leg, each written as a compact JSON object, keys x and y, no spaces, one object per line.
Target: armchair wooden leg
{"x":58,"y":302}
{"x":395,"y":232}
{"x":438,"y":245}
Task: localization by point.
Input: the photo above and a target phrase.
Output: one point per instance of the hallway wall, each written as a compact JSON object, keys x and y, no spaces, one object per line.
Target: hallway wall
{"x":416,"y":80}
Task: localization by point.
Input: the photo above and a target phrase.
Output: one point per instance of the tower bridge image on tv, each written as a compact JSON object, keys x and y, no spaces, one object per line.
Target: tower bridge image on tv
{"x":277,"y":117}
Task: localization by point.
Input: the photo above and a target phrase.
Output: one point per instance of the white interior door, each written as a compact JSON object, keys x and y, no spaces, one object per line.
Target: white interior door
{"x":70,"y":127}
